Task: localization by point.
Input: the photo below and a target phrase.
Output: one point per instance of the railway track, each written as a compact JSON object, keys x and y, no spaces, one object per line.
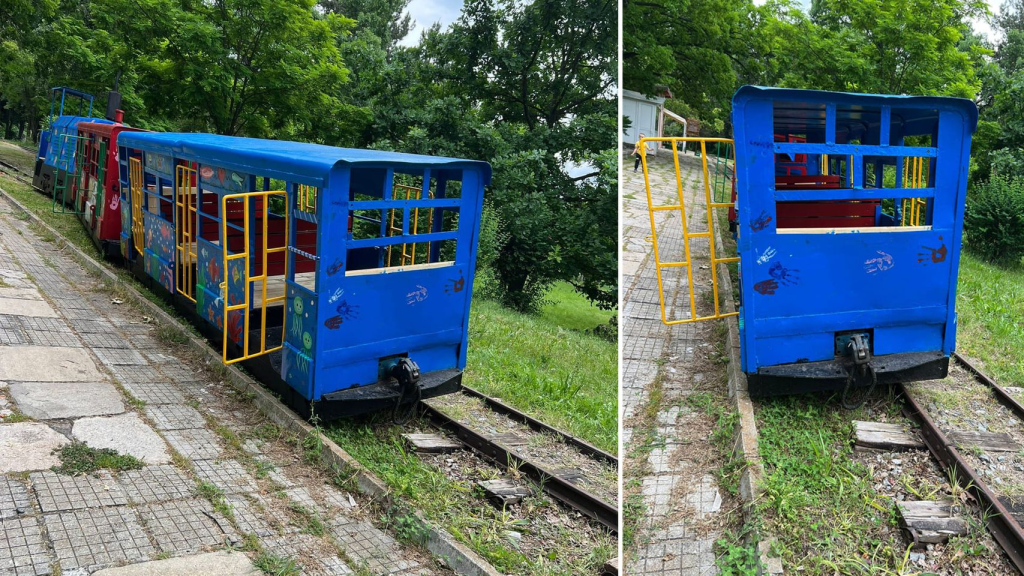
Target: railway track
{"x":568,"y":486}
{"x":1003,"y":523}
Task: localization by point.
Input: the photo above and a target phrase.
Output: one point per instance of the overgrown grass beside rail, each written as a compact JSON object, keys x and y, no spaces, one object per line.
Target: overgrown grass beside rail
{"x":990,"y":317}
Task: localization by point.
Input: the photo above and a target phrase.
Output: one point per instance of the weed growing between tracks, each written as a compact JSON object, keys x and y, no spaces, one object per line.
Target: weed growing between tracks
{"x":455,"y":506}
{"x":562,"y":377}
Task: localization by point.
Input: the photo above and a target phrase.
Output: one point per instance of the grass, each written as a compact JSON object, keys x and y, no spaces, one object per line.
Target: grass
{"x":76,"y":458}
{"x":819,"y":503}
{"x":14,"y":155}
{"x":453,"y":505}
{"x":561,"y":376}
{"x":990,"y":317}
{"x":565,"y":308}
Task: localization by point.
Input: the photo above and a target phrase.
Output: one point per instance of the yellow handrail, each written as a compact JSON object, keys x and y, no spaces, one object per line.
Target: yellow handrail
{"x":687,"y":235}
{"x":245,"y":305}
{"x":185,"y":201}
{"x":137,"y":183}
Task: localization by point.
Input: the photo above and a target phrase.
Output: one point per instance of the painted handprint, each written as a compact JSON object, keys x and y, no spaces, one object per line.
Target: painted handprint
{"x":766,"y":287}
{"x":767,"y":255}
{"x":417,"y":295}
{"x":881,"y":263}
{"x":785,"y":276}
{"x":761,"y":222}
{"x":455,"y":285}
{"x":934,"y":255}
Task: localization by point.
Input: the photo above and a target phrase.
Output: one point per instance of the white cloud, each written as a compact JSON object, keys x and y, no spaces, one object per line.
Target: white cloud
{"x":426,"y":12}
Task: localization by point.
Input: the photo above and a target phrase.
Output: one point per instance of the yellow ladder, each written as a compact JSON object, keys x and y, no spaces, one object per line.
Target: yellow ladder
{"x":137,"y":184}
{"x":245,"y":306}
{"x":410,"y":192}
{"x":185,"y":200}
{"x":680,"y":205}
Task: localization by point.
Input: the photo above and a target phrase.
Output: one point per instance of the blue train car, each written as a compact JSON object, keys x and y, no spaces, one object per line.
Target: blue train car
{"x":59,"y":142}
{"x":342,"y":278}
{"x":842,"y":285}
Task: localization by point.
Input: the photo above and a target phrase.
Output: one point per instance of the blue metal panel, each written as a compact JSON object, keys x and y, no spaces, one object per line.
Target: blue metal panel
{"x":337,"y":335}
{"x":900,"y":284}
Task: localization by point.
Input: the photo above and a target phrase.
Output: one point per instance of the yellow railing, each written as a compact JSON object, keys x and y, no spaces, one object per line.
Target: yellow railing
{"x":687,"y":235}
{"x":185,"y":199}
{"x":137,"y":184}
{"x":407,"y":257}
{"x":245,"y":306}
{"x":306,"y":198}
{"x":914,"y":176}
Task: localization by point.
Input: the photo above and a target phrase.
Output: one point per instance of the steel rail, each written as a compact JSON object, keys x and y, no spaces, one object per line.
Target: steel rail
{"x":559,"y":488}
{"x":1000,"y":522}
{"x":582,"y":445}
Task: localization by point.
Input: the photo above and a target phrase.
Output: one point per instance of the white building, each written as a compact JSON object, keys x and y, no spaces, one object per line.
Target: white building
{"x":645,"y":115}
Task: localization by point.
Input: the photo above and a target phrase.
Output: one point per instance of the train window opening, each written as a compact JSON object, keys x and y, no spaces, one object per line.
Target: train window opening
{"x":405,"y":225}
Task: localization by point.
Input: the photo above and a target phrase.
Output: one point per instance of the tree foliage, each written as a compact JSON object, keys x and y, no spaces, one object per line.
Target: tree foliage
{"x":527,"y":86}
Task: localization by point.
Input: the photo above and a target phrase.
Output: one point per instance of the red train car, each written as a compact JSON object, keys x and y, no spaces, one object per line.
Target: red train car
{"x":97,"y":194}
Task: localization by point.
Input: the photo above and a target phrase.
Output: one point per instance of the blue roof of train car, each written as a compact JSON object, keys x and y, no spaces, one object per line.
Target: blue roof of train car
{"x":68,"y":125}
{"x":858,"y":108}
{"x":298,"y":158}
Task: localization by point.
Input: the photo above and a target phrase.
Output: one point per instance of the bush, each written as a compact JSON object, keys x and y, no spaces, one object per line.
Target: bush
{"x":994,"y":220}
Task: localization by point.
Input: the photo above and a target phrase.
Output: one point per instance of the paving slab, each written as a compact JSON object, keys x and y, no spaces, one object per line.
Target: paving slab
{"x":156,"y":484}
{"x":186,"y":526}
{"x":367,"y":546}
{"x":98,"y":538}
{"x":59,"y":492}
{"x":195,"y":443}
{"x":23,"y":550}
{"x":28,"y":446}
{"x":23,"y":307}
{"x":156,"y":392}
{"x":14,"y":499}
{"x":49,"y":400}
{"x":47,"y":364}
{"x":126,"y":433}
{"x":228,"y":475}
{"x":23,"y":293}
{"x":209,"y":564}
{"x":174,"y":417}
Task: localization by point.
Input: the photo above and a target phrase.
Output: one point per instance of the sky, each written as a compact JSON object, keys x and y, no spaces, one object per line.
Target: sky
{"x":980,"y":25}
{"x":426,"y":12}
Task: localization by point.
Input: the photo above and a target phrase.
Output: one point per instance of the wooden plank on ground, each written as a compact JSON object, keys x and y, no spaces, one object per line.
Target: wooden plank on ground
{"x":503,"y":492}
{"x":987,"y":441}
{"x":884,"y":436}
{"x":432,"y":443}
{"x":930,"y":521}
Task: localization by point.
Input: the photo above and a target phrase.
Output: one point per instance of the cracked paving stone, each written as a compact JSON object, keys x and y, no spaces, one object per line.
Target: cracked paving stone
{"x":133,"y":374}
{"x":174,"y":417}
{"x":92,"y":326}
{"x":178,"y":372}
{"x":118,"y":356}
{"x":23,"y":550}
{"x":187,"y":526}
{"x":369,"y":547}
{"x":156,"y":484}
{"x":228,"y":475}
{"x":97,"y":537}
{"x":195,"y":443}
{"x":302,"y":548}
{"x":247,"y":517}
{"x":14,"y":499}
{"x":156,"y":392}
{"x":59,"y":493}
{"x":109,"y":340}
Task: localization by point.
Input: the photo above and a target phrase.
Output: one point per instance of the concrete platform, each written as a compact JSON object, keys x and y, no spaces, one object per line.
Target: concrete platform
{"x":126,"y":433}
{"x":23,"y":307}
{"x":210,"y":564}
{"x":28,"y":446}
{"x":50,"y":400}
{"x":47,"y":364}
